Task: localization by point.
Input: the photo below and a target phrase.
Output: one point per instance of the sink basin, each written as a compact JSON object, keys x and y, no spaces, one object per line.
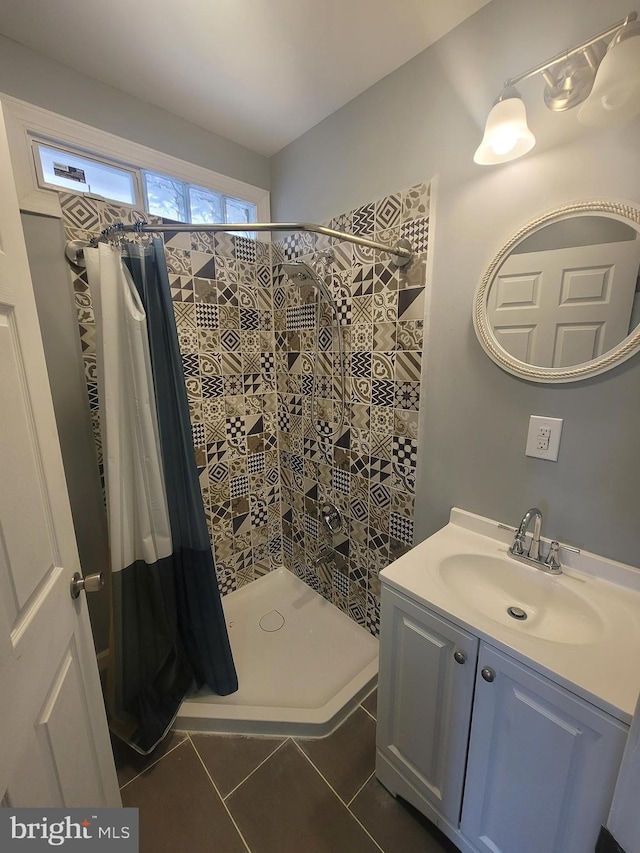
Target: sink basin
{"x":556,"y":610}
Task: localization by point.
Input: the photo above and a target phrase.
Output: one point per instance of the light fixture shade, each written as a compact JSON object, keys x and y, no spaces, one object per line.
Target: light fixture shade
{"x":615,"y":97}
{"x":506,"y":134}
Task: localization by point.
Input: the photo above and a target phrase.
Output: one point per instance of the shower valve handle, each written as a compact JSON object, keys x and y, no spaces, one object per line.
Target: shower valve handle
{"x":332,"y":518}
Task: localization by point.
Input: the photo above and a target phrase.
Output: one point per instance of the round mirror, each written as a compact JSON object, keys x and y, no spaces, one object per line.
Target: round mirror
{"x":561,"y":299}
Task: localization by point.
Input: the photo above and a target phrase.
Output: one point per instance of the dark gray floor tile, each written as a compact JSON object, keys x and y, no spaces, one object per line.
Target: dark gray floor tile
{"x":395,"y":825}
{"x":346,"y":758}
{"x":130,"y":763}
{"x":285,"y":807}
{"x":230,"y":758}
{"x":371,"y":703}
{"x":179,"y":808}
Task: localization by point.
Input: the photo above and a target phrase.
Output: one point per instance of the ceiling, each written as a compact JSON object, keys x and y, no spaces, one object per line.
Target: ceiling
{"x":259,"y":72}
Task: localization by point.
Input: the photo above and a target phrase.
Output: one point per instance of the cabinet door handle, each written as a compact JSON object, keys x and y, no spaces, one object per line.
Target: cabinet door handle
{"x":487,"y":673}
{"x":459,"y":657}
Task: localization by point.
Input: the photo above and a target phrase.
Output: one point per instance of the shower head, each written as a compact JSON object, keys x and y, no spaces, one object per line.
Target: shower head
{"x":302,"y":274}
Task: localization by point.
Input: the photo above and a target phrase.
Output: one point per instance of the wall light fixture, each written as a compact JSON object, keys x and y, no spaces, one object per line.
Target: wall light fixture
{"x":602,"y":76}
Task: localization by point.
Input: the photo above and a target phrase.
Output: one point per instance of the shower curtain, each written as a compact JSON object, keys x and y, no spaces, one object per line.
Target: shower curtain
{"x":168,"y":630}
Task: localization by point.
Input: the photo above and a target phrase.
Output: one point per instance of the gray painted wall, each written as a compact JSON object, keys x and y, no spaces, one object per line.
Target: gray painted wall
{"x":427,"y":119}
{"x":34,"y":78}
{"x":44,"y":237}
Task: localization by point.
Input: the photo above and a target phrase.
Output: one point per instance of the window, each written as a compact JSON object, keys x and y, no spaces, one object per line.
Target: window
{"x":172,"y":199}
{"x":30,"y":128}
{"x":61,"y":169}
{"x":164,"y":197}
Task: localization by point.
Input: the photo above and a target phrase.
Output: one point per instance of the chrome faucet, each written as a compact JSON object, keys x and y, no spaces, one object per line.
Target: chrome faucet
{"x":533,"y":556}
{"x":519,"y":542}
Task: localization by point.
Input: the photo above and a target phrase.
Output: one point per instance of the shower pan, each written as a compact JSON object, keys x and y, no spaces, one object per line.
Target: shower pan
{"x":302,"y":664}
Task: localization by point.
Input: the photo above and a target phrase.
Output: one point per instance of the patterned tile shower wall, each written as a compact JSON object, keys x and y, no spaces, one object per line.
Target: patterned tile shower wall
{"x":368,"y":470}
{"x":223,"y":301}
{"x":247,"y":337}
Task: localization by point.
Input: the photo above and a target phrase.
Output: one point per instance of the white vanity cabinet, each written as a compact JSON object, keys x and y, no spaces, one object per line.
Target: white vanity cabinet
{"x":542,"y":762}
{"x":425,"y":691}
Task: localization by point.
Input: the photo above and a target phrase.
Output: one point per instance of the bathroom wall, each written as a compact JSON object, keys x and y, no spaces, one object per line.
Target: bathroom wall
{"x":366,"y":468}
{"x":34,"y":78}
{"x":427,"y":118}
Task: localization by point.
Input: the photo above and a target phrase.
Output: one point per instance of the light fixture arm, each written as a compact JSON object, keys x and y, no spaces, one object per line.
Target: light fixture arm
{"x":602,"y":74}
{"x":566,"y":54}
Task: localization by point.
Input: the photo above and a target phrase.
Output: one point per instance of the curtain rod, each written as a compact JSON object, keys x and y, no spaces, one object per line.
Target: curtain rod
{"x":401,"y":250}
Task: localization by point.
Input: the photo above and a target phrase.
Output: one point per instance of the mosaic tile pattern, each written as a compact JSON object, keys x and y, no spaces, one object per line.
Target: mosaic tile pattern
{"x":368,"y":471}
{"x":247,"y":338}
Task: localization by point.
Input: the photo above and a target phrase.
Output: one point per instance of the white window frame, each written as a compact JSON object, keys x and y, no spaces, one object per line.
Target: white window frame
{"x":26,"y":122}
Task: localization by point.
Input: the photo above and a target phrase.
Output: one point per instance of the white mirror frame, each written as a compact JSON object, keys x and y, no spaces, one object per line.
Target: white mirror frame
{"x":624,"y":211}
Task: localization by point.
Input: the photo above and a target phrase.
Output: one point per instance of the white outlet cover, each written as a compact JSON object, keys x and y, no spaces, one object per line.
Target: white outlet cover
{"x":537,"y":422}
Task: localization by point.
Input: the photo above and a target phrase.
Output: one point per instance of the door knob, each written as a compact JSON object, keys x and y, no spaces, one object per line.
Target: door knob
{"x":459,"y":657}
{"x":88,"y":583}
{"x":487,"y":673}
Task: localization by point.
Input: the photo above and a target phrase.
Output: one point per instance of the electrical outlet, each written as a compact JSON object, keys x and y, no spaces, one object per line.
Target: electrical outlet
{"x":543,"y":438}
{"x":542,"y":441}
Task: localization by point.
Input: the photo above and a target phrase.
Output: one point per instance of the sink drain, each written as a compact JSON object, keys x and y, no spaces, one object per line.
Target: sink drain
{"x":517,"y":613}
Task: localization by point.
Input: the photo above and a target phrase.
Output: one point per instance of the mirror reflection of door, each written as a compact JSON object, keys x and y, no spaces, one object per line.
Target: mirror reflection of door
{"x":562,"y":307}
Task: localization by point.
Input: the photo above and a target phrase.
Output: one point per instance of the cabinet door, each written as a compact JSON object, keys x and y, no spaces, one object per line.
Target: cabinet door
{"x":424,"y":700}
{"x":542,"y":763}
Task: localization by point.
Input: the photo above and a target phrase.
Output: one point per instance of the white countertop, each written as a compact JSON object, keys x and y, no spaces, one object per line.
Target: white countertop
{"x":605,"y":671}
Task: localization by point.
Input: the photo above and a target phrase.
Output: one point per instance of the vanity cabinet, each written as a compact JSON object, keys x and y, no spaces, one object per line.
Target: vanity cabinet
{"x":425,"y":691}
{"x":501,"y":758}
{"x":542,"y":763}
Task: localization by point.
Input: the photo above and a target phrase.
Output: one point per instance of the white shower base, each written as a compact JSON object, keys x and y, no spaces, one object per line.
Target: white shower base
{"x":300,"y":673}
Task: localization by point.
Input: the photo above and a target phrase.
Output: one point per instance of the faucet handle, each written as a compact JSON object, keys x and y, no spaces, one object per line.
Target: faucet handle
{"x":552,"y":558}
{"x":518,"y":544}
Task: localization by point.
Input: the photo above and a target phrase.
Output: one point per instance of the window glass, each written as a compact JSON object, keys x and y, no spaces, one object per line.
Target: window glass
{"x":237,"y":211}
{"x":165,"y":197}
{"x":80,"y":175}
{"x":205,"y":206}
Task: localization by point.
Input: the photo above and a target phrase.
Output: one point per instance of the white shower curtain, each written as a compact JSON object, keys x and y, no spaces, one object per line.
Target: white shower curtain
{"x":137,"y":511}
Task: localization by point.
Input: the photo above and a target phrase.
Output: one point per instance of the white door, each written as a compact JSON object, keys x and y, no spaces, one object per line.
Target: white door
{"x":54,"y":743}
{"x":562,"y":307}
{"x":542,"y":763}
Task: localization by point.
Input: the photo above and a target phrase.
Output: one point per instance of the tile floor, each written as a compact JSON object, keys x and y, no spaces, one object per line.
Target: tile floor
{"x":226,"y":793}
